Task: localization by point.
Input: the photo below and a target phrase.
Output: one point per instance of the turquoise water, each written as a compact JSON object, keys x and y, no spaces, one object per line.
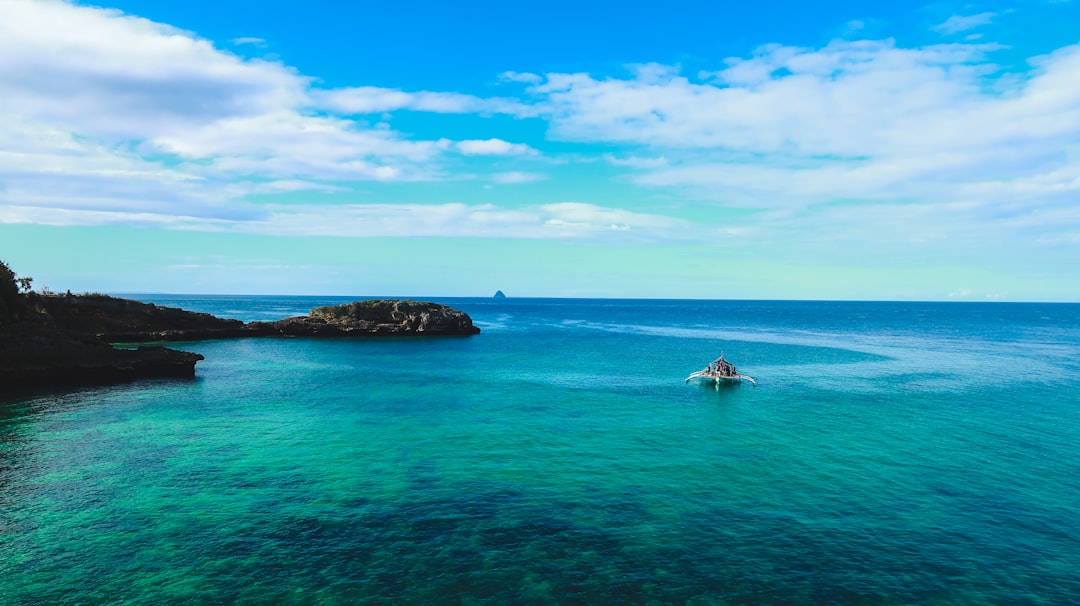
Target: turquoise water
{"x":892,"y":453}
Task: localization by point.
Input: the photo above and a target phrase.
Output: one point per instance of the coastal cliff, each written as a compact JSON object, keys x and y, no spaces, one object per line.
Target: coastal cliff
{"x":54,"y":358}
{"x":36,"y":350}
{"x":50,"y":339}
{"x":116,"y":320}
{"x":125,"y":321}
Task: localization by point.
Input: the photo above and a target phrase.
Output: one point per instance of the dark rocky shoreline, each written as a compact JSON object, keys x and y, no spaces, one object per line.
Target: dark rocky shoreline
{"x":51,"y":340}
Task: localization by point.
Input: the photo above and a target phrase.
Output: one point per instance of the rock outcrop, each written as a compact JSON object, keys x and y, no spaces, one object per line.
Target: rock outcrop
{"x":58,"y":339}
{"x":126,"y":321}
{"x":54,"y":358}
{"x":118,"y":320}
{"x":378,"y":318}
{"x":35,"y":350}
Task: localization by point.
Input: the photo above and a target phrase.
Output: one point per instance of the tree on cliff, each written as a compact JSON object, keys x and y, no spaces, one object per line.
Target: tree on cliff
{"x":9,"y":291}
{"x":10,"y":285}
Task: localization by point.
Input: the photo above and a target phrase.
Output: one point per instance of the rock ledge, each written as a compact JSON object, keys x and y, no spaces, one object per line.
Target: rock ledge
{"x":377,"y":318}
{"x":66,"y":339}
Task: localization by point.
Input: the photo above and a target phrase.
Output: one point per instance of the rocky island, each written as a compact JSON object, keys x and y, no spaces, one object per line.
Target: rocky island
{"x":48,"y":339}
{"x":376,"y":317}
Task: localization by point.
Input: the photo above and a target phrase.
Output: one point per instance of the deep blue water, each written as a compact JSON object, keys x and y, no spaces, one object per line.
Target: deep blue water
{"x":891,"y":453}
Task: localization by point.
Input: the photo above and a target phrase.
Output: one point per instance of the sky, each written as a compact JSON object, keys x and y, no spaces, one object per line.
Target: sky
{"x":715,"y":150}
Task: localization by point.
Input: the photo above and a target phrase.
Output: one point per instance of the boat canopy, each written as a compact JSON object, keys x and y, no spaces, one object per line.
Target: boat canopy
{"x":720,"y":369}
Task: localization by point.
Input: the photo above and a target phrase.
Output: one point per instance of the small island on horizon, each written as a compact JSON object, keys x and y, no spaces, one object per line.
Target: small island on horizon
{"x":51,"y":339}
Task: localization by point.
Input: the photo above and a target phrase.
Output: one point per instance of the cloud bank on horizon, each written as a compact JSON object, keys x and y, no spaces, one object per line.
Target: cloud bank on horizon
{"x":861,"y":146}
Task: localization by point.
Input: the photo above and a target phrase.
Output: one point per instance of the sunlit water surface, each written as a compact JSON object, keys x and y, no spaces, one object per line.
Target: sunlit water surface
{"x":893,"y":453}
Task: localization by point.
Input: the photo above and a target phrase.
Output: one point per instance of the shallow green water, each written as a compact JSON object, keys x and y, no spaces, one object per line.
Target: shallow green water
{"x":891,"y":453}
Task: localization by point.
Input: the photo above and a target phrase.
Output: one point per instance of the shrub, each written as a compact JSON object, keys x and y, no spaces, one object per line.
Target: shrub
{"x":9,"y":291}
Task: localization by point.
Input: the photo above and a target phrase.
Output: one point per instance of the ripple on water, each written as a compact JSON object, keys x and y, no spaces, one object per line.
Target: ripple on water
{"x":561,"y":459}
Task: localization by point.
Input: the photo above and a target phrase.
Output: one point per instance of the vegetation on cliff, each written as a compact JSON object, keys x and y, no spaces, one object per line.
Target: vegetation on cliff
{"x":10,"y":303}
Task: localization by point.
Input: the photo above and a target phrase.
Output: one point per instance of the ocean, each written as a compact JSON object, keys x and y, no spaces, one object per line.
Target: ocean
{"x":890,"y":453}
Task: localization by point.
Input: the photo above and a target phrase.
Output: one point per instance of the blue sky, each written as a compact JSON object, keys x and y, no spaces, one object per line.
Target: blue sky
{"x":831,"y":150}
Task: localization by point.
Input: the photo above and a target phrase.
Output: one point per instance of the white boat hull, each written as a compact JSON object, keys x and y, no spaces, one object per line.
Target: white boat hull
{"x":703,"y":376}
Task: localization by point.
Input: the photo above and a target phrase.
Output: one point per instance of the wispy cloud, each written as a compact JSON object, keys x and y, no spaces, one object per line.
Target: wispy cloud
{"x":372,"y":99}
{"x":871,"y":121}
{"x":248,"y":41}
{"x":514,"y":177}
{"x":106,"y":117}
{"x":578,"y":217}
{"x":962,"y":23}
{"x":111,"y":112}
{"x":144,"y":89}
{"x":494,"y":147}
{"x":563,"y":220}
{"x":931,"y":147}
{"x":511,"y":76}
{"x":648,"y":163}
{"x":566,"y":220}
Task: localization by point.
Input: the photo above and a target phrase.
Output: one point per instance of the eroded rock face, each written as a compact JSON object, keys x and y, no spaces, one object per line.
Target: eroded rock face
{"x":58,"y":339}
{"x":381,"y":317}
{"x":39,"y":354}
{"x":125,"y":321}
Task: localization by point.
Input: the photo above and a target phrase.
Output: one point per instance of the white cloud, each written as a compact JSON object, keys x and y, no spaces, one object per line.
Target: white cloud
{"x":865,"y":119}
{"x":372,"y":100}
{"x":116,"y":76}
{"x":589,"y":217}
{"x":511,"y":76}
{"x":290,"y":144}
{"x":637,"y":162}
{"x":106,"y":117}
{"x":858,"y":141}
{"x":102,"y":111}
{"x":45,"y":167}
{"x":848,"y":96}
{"x":453,"y":220}
{"x":493,"y":147}
{"x":962,"y":23}
{"x":248,"y":40}
{"x":563,"y":220}
{"x":288,"y":185}
{"x":516,"y":177}
{"x":141,"y":89}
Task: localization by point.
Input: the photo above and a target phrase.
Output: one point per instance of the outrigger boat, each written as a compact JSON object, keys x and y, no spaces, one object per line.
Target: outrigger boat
{"x":720,"y":371}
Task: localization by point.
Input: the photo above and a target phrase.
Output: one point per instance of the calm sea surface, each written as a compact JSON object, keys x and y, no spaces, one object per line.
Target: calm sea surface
{"x":891,"y":453}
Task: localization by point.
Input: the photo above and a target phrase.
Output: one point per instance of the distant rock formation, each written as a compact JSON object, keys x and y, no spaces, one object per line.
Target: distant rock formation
{"x":499,"y":295}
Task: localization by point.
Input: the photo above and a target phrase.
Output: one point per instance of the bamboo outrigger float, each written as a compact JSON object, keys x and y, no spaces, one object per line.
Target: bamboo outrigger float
{"x":720,"y":371}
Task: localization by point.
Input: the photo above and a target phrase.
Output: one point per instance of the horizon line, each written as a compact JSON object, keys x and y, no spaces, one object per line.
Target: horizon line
{"x":587,"y":298}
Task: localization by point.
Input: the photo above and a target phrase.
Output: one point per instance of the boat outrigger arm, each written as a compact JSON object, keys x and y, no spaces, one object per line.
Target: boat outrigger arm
{"x":708,"y":374}
{"x":720,"y":370}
